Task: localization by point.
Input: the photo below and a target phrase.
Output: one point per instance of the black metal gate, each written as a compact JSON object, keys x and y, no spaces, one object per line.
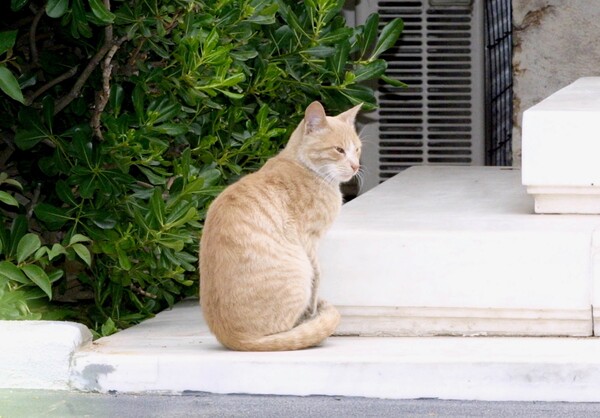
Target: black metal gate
{"x":498,"y":82}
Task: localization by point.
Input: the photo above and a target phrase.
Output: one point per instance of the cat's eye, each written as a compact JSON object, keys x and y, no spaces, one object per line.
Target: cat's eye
{"x":340,"y":150}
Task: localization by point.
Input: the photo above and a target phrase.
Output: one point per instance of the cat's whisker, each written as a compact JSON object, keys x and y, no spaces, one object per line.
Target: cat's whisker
{"x":360,"y":178}
{"x":370,"y":144}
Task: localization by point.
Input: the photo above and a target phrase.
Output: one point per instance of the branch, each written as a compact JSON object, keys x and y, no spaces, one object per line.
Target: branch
{"x":85,"y":74}
{"x":103,"y":95}
{"x":51,"y":84}
{"x":34,"y":200}
{"x":32,"y":34}
{"x":142,"y":292}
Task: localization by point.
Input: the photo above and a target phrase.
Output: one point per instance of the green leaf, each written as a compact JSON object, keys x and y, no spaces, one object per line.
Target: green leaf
{"x":338,"y":62}
{"x":161,"y":111}
{"x":79,"y":23}
{"x":42,"y":251}
{"x":82,"y":144}
{"x":103,"y":220}
{"x":55,"y":275}
{"x":11,"y":272}
{"x":117,"y":94}
{"x":101,"y":12}
{"x":39,"y":277}
{"x":284,"y":38}
{"x":393,"y":82}
{"x":138,"y":101}
{"x":56,"y":8}
{"x":263,"y":19}
{"x":28,"y":138}
{"x":338,"y":35}
{"x":157,"y":206}
{"x":369,"y":33}
{"x":78,"y":238}
{"x":30,"y":130}
{"x":172,"y":129}
{"x":4,"y":179}
{"x":374,"y":69}
{"x":389,"y":35}
{"x":53,"y":216}
{"x":188,"y":216}
{"x":124,"y":262}
{"x":48,"y":111}
{"x":360,"y":94}
{"x":56,"y":250}
{"x":244,"y":55}
{"x":108,"y":328}
{"x":64,"y":192}
{"x":8,"y":199}
{"x":10,"y":85}
{"x":176,"y":245}
{"x":27,"y":246}
{"x":18,"y":229}
{"x":83,"y":253}
{"x":232,"y":95}
{"x":321,"y":51}
{"x":7,"y":40}
{"x":210,"y":176}
{"x":290,"y":18}
{"x":153,"y":178}
{"x":16,"y":5}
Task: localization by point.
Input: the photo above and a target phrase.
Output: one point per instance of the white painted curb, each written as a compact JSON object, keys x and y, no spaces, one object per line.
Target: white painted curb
{"x":37,"y":354}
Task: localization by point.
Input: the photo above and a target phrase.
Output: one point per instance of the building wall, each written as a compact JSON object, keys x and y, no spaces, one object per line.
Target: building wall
{"x":555,"y":43}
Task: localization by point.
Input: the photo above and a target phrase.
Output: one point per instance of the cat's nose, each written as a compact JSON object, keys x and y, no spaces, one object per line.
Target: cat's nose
{"x":355,"y":166}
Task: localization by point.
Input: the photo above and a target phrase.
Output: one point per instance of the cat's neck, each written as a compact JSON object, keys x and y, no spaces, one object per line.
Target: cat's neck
{"x":292,"y":152}
{"x":292,"y":149}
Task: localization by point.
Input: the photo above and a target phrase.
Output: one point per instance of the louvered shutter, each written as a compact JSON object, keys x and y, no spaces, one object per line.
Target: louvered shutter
{"x":439,"y":118}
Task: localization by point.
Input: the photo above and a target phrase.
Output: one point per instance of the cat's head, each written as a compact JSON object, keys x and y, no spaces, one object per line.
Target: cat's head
{"x":329,"y":145}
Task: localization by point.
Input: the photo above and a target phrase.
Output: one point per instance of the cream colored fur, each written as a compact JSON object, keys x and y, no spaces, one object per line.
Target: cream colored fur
{"x":258,"y":255}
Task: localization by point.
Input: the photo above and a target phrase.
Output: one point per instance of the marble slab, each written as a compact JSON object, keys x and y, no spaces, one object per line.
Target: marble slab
{"x":458,"y":251}
{"x":561,"y":149}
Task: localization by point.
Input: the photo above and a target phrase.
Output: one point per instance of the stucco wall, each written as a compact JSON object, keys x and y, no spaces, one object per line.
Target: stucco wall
{"x":555,"y":43}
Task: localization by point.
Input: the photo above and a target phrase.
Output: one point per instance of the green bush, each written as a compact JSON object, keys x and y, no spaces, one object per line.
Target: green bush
{"x":121,"y":120}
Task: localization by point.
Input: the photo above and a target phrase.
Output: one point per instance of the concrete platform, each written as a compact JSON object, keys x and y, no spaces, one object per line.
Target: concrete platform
{"x":174,"y":353}
{"x":459,"y":251}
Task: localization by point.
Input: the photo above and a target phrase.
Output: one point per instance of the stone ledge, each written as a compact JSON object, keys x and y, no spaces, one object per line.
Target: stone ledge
{"x":174,"y":353}
{"x":566,"y":200}
{"x":37,"y":354}
{"x":428,"y":321}
{"x":560,"y":149}
{"x":444,"y":244}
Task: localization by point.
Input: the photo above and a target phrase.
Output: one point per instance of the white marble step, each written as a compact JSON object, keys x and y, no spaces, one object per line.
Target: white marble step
{"x":561,"y":148}
{"x":459,"y":251}
{"x":174,"y":353}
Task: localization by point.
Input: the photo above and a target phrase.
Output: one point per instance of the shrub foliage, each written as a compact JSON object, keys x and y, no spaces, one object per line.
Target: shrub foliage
{"x":120,"y":120}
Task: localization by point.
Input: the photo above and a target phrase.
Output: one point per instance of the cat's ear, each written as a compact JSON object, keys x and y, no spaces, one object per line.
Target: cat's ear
{"x":350,"y":115}
{"x":314,"y":118}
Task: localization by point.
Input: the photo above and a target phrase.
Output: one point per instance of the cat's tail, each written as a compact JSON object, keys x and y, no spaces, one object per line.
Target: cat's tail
{"x":307,"y":334}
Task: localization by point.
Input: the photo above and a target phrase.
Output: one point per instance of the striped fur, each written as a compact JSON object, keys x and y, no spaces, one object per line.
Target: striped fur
{"x":258,"y":254}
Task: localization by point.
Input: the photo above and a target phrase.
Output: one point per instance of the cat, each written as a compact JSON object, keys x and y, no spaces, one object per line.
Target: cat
{"x":258,"y":252}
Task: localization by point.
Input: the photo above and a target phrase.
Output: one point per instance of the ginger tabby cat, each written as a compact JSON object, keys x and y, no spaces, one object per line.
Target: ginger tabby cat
{"x":258,"y":254}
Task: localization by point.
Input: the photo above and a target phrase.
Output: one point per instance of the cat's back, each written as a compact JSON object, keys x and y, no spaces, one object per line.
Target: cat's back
{"x":251,"y":197}
{"x":281,"y":186}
